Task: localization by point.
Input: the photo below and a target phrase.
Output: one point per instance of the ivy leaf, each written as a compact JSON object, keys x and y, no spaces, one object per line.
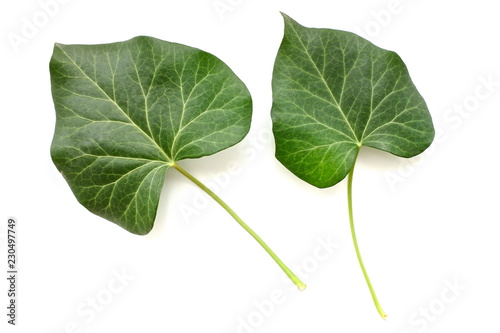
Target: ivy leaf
{"x":128,"y":111}
{"x":334,"y":92}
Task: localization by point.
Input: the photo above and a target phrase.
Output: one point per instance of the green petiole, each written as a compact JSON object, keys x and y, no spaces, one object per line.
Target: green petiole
{"x":355,"y":241}
{"x":252,"y":233}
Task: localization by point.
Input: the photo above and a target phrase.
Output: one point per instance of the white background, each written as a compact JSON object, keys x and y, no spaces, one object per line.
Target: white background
{"x":423,"y":224}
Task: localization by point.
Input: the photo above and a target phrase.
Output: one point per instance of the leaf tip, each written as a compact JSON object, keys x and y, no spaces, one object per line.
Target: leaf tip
{"x":290,"y":23}
{"x":286,"y":17}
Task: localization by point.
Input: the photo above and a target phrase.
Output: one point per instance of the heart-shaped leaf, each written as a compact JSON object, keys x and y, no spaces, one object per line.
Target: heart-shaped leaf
{"x":128,"y":111}
{"x":334,"y":92}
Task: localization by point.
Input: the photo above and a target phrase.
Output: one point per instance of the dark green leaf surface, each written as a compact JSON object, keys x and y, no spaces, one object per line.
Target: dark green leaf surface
{"x":334,"y":92}
{"x":127,"y":111}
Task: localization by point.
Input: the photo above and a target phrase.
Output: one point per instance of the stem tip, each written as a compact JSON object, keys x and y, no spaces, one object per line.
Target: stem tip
{"x":301,"y":286}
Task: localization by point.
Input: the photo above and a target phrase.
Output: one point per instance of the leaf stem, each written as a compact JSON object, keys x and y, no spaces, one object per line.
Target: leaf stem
{"x":354,"y":239}
{"x":231,"y":212}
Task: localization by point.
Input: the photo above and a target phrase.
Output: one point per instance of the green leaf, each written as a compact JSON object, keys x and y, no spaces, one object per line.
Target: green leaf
{"x":334,"y":92}
{"x":128,"y":111}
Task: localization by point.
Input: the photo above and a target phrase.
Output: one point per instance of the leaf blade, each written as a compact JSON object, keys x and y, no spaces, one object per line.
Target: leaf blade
{"x":361,"y":93}
{"x":126,"y":111}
